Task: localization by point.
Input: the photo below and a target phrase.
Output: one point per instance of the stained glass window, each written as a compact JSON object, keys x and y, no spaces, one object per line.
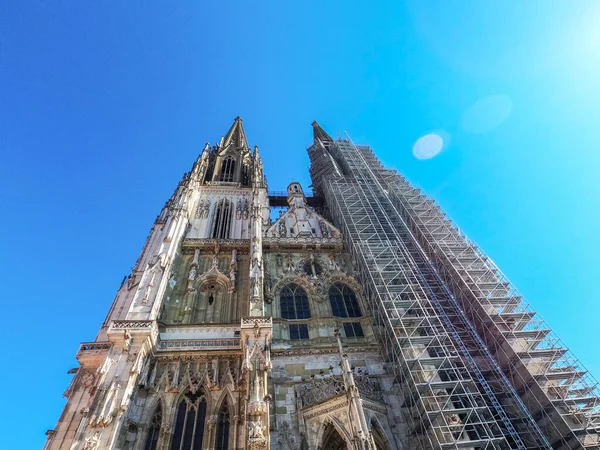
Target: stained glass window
{"x":294,"y":302}
{"x":353,"y":329}
{"x":223,"y":428}
{"x":298,"y":331}
{"x":343,"y":301}
{"x":154,"y":429}
{"x":189,"y":423}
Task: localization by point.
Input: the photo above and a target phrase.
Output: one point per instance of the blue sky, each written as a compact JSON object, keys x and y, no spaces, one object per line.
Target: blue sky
{"x":103,"y":106}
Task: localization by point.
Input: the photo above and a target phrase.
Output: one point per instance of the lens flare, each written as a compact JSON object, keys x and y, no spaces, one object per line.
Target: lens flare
{"x":428,"y":146}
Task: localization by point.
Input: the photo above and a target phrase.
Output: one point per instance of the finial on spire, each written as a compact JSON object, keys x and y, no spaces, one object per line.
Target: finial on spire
{"x":236,"y":135}
{"x":319,"y":133}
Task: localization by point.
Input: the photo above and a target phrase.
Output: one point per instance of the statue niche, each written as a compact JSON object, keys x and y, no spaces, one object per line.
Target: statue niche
{"x":211,"y":303}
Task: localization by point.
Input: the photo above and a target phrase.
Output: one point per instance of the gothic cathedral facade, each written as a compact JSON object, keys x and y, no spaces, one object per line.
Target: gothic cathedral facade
{"x":235,"y":330}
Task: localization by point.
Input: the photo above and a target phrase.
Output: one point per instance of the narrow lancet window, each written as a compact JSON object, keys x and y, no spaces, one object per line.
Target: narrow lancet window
{"x":222,"y":219}
{"x":154,"y":429}
{"x":222,"y":442}
{"x":228,"y":169}
{"x":189,"y":423}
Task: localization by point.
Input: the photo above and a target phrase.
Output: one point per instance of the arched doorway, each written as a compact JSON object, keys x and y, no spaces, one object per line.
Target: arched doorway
{"x":378,"y":436}
{"x":332,"y":439}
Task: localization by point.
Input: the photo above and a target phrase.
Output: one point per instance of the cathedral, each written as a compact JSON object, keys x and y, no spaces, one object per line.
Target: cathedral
{"x":358,"y":317}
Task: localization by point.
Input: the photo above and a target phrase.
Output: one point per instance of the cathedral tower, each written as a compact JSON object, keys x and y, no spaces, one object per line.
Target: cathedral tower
{"x":360,"y":318}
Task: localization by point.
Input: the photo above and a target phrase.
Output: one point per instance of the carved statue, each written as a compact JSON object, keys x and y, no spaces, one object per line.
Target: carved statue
{"x":255,"y":271}
{"x":256,"y":430}
{"x":324,"y":229}
{"x":289,"y":264}
{"x":238,"y":210}
{"x":311,"y":260}
{"x":206,"y":209}
{"x":333,"y":265}
{"x":193,"y":273}
{"x":282,"y":230}
{"x":199,"y":209}
{"x":148,"y":290}
{"x":233,"y":267}
{"x":255,"y":288}
{"x":92,"y":442}
{"x":246,"y":211}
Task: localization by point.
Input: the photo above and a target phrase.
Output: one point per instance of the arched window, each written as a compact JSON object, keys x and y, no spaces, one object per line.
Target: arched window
{"x":210,"y":170}
{"x":154,"y":429}
{"x":343,"y":301}
{"x":189,"y":423}
{"x":228,"y":169}
{"x":222,"y":219}
{"x":246,"y":175}
{"x":223,"y":428}
{"x":294,"y":302}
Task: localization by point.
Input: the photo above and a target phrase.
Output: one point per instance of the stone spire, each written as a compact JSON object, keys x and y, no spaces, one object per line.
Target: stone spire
{"x":236,"y":136}
{"x":320,"y":134}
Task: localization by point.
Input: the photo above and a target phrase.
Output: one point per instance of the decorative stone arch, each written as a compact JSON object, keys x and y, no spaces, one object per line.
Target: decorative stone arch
{"x":318,"y":260}
{"x":340,"y":277}
{"x":225,"y":395}
{"x":227,"y":152}
{"x":157,"y":399}
{"x":351,"y":282}
{"x":303,"y":282}
{"x":382,"y":441}
{"x":171,"y":425}
{"x":337,"y":425}
{"x":215,"y":283}
{"x":213,"y":416}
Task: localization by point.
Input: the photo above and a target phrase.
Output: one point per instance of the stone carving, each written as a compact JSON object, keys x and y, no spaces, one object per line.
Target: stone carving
{"x":320,"y":390}
{"x":256,"y":430}
{"x":246,"y":210}
{"x":215,"y":259}
{"x":92,"y":442}
{"x":193,"y":273}
{"x":282,"y":230}
{"x":324,"y":229}
{"x":279,"y":263}
{"x":233,"y":270}
{"x":255,"y":288}
{"x":202,"y":209}
{"x":333,"y":265}
{"x":268,"y":288}
{"x":255,"y":269}
{"x":289,"y":264}
{"x":285,"y":439}
{"x":238,"y":210}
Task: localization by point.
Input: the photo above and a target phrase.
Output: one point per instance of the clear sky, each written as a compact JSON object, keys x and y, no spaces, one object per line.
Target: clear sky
{"x":104,"y":105}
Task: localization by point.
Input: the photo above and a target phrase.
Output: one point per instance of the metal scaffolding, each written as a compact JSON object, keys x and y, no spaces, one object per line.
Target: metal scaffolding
{"x":476,"y":366}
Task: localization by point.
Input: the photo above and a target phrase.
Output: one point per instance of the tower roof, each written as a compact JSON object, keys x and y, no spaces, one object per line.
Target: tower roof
{"x":236,"y":135}
{"x":319,"y":133}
